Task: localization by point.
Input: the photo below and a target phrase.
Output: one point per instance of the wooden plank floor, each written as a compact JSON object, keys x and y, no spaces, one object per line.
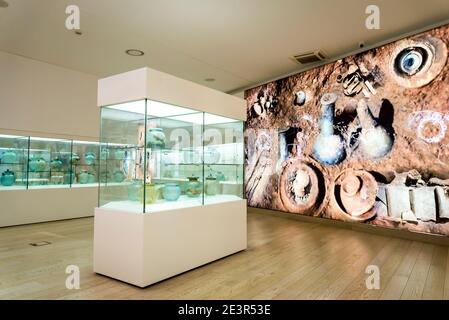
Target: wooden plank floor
{"x":286,"y":259}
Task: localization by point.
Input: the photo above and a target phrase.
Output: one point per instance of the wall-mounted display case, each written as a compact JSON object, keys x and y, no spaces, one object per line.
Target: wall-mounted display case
{"x":158,"y":156}
{"x":39,"y":163}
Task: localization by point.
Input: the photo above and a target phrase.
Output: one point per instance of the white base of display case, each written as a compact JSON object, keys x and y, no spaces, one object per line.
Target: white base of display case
{"x":22,"y":206}
{"x":143,"y":249}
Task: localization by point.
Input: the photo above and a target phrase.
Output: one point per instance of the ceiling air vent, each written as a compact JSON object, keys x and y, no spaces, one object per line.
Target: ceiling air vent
{"x":309,"y":57}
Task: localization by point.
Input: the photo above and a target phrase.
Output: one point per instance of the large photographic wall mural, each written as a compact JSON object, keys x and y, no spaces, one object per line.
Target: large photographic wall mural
{"x":364,"y":139}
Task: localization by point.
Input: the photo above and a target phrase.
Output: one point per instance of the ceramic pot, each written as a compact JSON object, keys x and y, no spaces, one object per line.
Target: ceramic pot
{"x":171,"y":192}
{"x":9,"y":157}
{"x":89,"y":158}
{"x":83,"y":177}
{"x":194,"y":187}
{"x":37,"y":164}
{"x":156,"y":138}
{"x":152,"y":193}
{"x":220,"y":176}
{"x":212,"y":186}
{"x":120,"y":154}
{"x":91,"y":178}
{"x":56,"y":164}
{"x":8,"y":178}
{"x":119,"y":176}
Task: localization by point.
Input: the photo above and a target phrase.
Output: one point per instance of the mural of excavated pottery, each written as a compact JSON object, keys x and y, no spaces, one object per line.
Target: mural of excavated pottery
{"x":353,"y":195}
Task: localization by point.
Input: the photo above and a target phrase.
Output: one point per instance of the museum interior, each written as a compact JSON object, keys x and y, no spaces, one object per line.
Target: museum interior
{"x":225,"y":150}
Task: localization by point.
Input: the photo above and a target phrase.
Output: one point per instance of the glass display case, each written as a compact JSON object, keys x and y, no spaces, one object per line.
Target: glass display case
{"x":13,"y":162}
{"x":32,"y":162}
{"x":160,"y":157}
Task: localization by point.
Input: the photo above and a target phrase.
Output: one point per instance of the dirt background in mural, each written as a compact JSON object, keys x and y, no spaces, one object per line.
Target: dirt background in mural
{"x":414,"y":113}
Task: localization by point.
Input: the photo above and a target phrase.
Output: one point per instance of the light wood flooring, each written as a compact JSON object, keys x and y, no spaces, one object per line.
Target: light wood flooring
{"x":285,"y":259}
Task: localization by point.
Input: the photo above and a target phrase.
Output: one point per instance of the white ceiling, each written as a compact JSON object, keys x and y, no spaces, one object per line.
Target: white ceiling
{"x":237,"y":42}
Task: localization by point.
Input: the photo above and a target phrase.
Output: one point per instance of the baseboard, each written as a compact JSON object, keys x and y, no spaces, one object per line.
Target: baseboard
{"x":360,"y":227}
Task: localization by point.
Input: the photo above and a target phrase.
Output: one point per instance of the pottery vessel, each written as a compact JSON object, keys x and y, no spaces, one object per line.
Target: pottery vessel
{"x":194,"y":187}
{"x":156,"y":138}
{"x":171,"y":192}
{"x":8,"y":178}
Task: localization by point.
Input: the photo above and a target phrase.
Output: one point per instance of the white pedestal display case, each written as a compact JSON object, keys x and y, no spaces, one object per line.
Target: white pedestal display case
{"x":171,"y":177}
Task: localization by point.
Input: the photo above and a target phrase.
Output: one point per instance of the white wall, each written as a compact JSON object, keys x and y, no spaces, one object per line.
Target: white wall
{"x":41,"y":99}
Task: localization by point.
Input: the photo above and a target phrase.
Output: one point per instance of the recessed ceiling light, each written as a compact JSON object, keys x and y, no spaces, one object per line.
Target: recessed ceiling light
{"x":3,"y":4}
{"x":134,"y":52}
{"x":209,"y":79}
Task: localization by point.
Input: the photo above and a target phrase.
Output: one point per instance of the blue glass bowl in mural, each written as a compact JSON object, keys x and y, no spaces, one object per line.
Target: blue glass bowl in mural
{"x":194,"y":187}
{"x":155,"y":138}
{"x":56,"y":164}
{"x":119,"y":176}
{"x":171,"y":192}
{"x":8,"y":157}
{"x":37,"y":164}
{"x":8,"y":178}
{"x":120,"y":154}
{"x":89,"y":158}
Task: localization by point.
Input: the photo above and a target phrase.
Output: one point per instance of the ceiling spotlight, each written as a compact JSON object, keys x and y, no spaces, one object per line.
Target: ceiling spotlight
{"x":134,"y":52}
{"x":209,"y":79}
{"x":3,"y":4}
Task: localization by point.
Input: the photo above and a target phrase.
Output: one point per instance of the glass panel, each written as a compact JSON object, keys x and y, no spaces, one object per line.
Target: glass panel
{"x":223,"y":159}
{"x":49,"y":163}
{"x":175,"y":176}
{"x":121,"y":170}
{"x":13,"y":162}
{"x":85,"y":163}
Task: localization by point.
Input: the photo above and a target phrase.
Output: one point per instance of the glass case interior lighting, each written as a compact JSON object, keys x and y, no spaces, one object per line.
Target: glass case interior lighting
{"x":175,"y":157}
